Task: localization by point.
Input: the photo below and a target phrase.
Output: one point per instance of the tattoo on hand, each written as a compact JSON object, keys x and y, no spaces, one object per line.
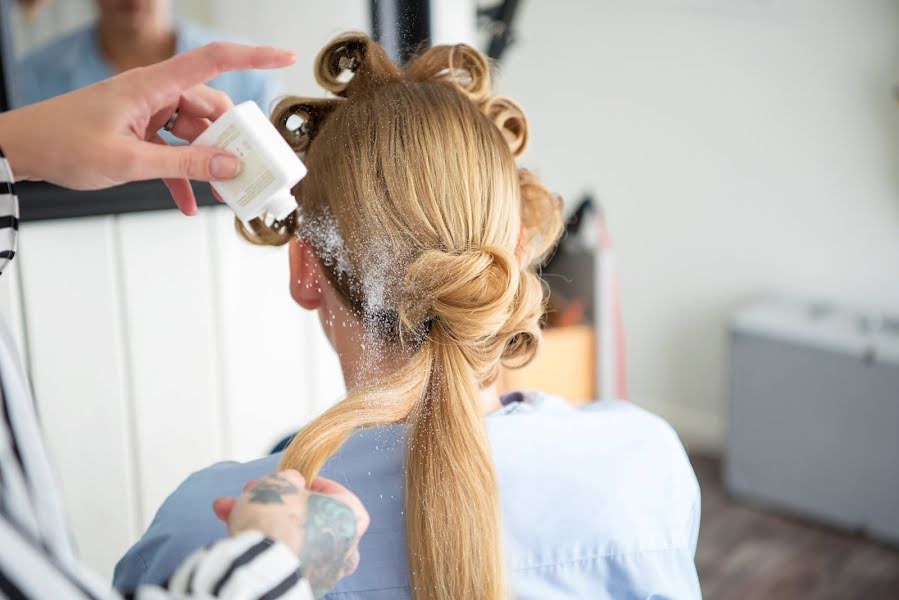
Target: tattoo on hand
{"x":330,"y":536}
{"x":271,"y":490}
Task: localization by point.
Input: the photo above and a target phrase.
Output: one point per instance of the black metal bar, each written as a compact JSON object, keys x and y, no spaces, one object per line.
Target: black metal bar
{"x":403,"y":27}
{"x":41,"y":201}
{"x":500,"y":19}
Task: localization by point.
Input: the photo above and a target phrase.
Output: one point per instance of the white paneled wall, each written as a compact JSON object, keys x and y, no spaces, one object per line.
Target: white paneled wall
{"x":157,"y":345}
{"x":79,"y":370}
{"x":165,"y":275}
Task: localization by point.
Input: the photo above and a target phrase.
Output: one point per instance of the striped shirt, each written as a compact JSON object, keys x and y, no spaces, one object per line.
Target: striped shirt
{"x":37,"y":559}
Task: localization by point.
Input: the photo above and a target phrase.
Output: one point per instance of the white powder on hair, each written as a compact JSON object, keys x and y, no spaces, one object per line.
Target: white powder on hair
{"x":322,"y":233}
{"x":376,"y":281}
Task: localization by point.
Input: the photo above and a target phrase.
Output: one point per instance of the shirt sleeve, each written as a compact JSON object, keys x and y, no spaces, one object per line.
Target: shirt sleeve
{"x":9,"y":213}
{"x":249,"y":565}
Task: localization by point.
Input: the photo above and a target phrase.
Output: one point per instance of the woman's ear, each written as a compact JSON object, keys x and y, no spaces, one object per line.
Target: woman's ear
{"x":305,"y":276}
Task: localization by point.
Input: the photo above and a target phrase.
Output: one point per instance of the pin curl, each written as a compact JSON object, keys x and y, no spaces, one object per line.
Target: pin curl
{"x":299,"y":121}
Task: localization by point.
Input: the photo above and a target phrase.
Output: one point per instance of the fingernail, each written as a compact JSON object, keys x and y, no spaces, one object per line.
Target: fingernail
{"x":223,"y":166}
{"x":283,"y":51}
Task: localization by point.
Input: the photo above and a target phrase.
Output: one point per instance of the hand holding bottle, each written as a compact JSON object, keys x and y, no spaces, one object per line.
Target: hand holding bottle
{"x":106,"y":134}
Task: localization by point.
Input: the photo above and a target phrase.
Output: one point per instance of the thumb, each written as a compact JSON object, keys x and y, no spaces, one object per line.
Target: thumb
{"x":201,"y":163}
{"x":222,"y":508}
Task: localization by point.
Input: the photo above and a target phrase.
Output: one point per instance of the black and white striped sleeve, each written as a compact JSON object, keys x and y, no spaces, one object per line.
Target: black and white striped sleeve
{"x":9,"y":213}
{"x":246,"y":566}
{"x":28,"y":572}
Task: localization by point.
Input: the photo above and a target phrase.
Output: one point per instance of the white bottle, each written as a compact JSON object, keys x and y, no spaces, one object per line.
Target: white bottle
{"x":270,"y":166}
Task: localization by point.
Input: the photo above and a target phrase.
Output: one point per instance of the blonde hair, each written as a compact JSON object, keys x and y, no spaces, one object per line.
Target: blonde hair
{"x":414,"y":169}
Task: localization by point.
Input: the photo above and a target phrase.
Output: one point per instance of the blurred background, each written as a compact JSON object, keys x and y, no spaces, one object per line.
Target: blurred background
{"x":743,"y":155}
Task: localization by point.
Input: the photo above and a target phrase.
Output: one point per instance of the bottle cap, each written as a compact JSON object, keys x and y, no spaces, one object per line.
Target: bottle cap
{"x":281,"y":204}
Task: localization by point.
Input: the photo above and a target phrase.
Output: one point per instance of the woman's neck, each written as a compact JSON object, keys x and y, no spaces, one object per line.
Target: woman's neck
{"x":363,"y":364}
{"x":126,"y":49}
{"x":365,"y":361}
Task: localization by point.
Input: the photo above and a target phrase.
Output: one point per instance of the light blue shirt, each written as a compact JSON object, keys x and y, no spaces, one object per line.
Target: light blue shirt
{"x":74,"y":60}
{"x":598,"y":502}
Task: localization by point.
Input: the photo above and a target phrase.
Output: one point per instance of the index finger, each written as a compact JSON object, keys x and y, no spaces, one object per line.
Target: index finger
{"x":184,"y":71}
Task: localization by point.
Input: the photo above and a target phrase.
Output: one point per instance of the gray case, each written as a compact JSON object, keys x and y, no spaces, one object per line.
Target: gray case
{"x":814,"y":414}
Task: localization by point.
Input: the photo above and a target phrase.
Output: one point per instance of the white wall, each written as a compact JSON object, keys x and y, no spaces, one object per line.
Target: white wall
{"x":739,"y":146}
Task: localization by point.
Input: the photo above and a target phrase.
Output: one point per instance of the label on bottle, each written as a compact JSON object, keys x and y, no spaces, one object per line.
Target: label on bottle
{"x":254,"y":177}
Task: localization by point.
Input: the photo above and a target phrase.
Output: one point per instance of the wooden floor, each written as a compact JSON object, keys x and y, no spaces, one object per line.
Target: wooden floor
{"x":747,"y":554}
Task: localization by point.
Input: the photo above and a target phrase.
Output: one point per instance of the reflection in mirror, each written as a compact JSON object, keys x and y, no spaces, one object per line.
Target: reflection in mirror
{"x":65,"y":46}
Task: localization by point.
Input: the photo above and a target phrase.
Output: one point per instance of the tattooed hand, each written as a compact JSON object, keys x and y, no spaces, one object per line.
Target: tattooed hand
{"x":333,"y":528}
{"x":322,"y":524}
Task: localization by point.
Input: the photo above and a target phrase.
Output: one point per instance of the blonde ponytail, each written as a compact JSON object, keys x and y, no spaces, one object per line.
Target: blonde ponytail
{"x":452,"y":504}
{"x":420,"y":162}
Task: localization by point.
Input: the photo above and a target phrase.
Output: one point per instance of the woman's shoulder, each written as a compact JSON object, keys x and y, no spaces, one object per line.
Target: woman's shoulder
{"x":598,"y":424}
{"x":185,"y":522}
{"x":610,"y":439}
{"x":221,"y":479}
{"x":596,"y":492}
{"x":59,"y":47}
{"x":370,"y":463}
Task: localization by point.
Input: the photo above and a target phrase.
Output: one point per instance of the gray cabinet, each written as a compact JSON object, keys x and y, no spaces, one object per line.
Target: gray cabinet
{"x":814,"y":413}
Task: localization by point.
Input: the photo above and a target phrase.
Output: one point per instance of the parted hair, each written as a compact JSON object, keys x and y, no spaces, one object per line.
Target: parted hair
{"x":425,"y":226}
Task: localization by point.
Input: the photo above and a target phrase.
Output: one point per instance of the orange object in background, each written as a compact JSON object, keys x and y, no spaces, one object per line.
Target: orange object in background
{"x":564,"y":366}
